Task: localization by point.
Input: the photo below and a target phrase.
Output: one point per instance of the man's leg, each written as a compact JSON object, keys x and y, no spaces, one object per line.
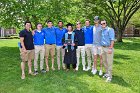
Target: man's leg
{"x":47,"y":49}
{"x":88,"y":52}
{"x":36,"y":58}
{"x":63,"y":53}
{"x":42,"y":53}
{"x":23,"y":70}
{"x":30,"y":58}
{"x":83,"y":57}
{"x":52,"y":52}
{"x":58,"y":57}
{"x":104,"y":57}
{"x":78,"y":56}
{"x":110,"y":63}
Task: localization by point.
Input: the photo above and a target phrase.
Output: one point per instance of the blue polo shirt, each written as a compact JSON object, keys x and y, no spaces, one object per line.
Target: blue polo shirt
{"x":107,"y":36}
{"x":88,"y":31}
{"x":50,"y":37}
{"x":39,"y":38}
{"x":59,"y":35}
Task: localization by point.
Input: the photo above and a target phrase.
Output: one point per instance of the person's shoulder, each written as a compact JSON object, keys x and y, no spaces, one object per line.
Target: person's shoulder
{"x":22,"y":31}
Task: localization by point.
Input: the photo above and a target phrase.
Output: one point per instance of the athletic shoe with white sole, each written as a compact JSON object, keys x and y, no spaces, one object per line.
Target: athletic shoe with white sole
{"x":100,"y":73}
{"x":94,"y":72}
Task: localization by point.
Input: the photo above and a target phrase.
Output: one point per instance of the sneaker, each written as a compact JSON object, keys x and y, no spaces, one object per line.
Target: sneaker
{"x":105,"y":76}
{"x":53,"y":68}
{"x":94,"y":72}
{"x":84,"y":69}
{"x":108,"y":79}
{"x":76,"y":68}
{"x":23,"y":76}
{"x":58,"y":68}
{"x":64,"y":67}
{"x":43,"y":71}
{"x":100,"y":73}
{"x":88,"y":68}
{"x":35,"y":72}
{"x":47,"y":69}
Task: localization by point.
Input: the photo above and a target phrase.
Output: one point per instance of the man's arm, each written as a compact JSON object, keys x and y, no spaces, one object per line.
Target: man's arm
{"x":22,"y":44}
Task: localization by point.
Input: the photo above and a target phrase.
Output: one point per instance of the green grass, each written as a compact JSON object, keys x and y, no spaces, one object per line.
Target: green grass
{"x":126,"y":73}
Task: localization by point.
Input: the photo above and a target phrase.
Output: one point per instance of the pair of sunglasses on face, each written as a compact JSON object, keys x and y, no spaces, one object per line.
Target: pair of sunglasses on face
{"x":103,"y":23}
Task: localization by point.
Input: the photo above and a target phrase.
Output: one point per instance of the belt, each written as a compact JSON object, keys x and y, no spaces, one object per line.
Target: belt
{"x":105,"y":46}
{"x":49,"y":44}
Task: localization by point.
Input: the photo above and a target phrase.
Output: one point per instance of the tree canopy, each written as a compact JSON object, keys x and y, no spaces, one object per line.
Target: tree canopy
{"x":116,"y":12}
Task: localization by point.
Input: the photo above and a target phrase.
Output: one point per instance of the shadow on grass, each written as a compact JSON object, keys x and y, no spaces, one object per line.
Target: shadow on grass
{"x":128,"y":46}
{"x":120,"y":81}
{"x":52,"y":81}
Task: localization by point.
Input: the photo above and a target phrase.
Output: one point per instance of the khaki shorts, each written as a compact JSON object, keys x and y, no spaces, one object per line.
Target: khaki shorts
{"x":29,"y":55}
{"x":50,"y":49}
{"x":97,"y":50}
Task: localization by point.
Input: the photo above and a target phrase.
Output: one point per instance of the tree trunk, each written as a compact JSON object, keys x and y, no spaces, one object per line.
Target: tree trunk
{"x":119,"y":36}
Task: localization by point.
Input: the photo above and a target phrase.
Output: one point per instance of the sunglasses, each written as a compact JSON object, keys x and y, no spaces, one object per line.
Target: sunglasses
{"x":103,"y":23}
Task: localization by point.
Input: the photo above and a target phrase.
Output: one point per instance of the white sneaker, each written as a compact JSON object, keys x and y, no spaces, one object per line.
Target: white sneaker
{"x":84,"y":69}
{"x":105,"y":76}
{"x":76,"y":69}
{"x":94,"y":72}
{"x":108,"y":79}
{"x":100,"y":73}
{"x":88,"y":68}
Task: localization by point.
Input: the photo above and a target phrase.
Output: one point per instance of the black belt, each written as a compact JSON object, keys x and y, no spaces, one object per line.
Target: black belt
{"x":105,"y":46}
{"x":50,"y":44}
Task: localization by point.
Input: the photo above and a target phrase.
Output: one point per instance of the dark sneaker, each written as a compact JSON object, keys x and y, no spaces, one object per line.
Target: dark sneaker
{"x":43,"y":71}
{"x":35,"y":72}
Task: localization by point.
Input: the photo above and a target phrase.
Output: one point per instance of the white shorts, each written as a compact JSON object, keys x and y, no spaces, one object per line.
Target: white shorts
{"x":97,"y":50}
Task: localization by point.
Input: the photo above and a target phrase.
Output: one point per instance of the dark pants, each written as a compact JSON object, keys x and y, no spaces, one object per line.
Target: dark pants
{"x":73,"y":66}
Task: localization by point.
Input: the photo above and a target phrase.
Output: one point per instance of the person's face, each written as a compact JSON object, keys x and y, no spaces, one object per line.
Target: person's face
{"x":39,"y":26}
{"x":49,"y":24}
{"x":69,"y":28}
{"x":28,"y":26}
{"x":78,"y":25}
{"x":96,"y":22}
{"x":87,"y":23}
{"x":60,"y":24}
{"x":103,"y":23}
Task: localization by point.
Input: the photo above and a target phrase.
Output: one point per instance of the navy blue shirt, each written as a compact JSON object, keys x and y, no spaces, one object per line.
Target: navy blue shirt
{"x":88,"y":34}
{"x":39,"y":38}
{"x":80,"y":37}
{"x":28,"y":39}
{"x":59,"y":35}
{"x":50,"y":37}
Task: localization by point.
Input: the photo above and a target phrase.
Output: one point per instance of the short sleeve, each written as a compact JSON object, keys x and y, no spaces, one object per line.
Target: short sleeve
{"x":22,"y":34}
{"x":111,"y":34}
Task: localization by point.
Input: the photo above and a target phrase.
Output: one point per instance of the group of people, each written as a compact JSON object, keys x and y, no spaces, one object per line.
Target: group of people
{"x":70,"y":44}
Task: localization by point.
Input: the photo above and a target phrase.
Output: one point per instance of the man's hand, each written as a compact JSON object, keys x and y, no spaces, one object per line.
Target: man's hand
{"x":110,"y":51}
{"x":73,"y":44}
{"x":65,"y":44}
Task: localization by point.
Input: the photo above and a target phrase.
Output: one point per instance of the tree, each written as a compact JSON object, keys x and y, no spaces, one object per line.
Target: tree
{"x":118,"y":13}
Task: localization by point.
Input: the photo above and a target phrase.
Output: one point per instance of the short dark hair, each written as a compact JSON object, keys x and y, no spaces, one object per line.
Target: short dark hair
{"x":47,"y":21}
{"x":88,"y":20}
{"x":38,"y":24}
{"x":27,"y":22}
{"x":60,"y":21}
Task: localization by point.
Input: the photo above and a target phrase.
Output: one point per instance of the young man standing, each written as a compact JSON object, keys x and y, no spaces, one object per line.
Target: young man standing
{"x":27,"y":48}
{"x":88,"y":31}
{"x":39,"y":37}
{"x":107,"y":43}
{"x":80,"y":45}
{"x":60,"y":31}
{"x":50,"y":40}
{"x":97,"y":49}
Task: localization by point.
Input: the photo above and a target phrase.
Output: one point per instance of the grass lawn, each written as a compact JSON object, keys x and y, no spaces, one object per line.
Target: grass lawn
{"x":126,"y":73}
